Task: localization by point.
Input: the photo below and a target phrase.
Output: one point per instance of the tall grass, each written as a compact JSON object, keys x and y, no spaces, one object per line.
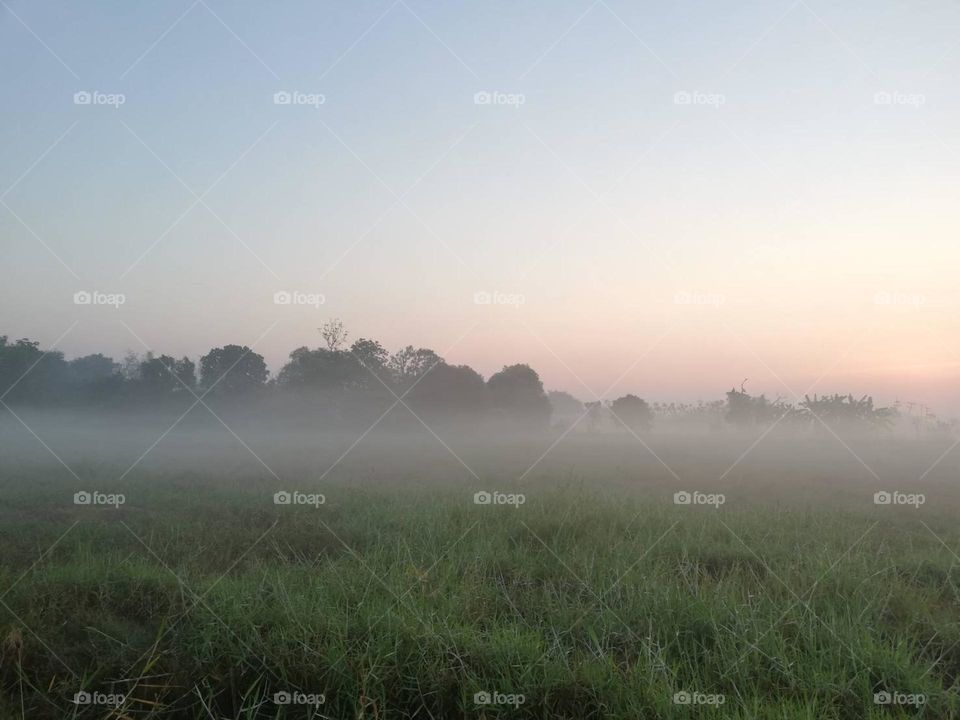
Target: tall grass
{"x":201,"y":598}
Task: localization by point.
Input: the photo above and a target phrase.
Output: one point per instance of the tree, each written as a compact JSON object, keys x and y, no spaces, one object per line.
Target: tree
{"x":95,"y":378}
{"x":130,"y":366}
{"x":564,"y":405}
{"x":632,"y":412}
{"x":90,"y":369}
{"x":847,"y":410}
{"x":594,"y":413}
{"x":449,"y":390}
{"x":158,"y":375}
{"x":322,"y":369}
{"x":30,"y":374}
{"x":232,"y":370}
{"x":516,"y":393}
{"x":186,"y":371}
{"x":334,"y":334}
{"x":743,"y":409}
{"x":165,"y":376}
{"x":409,"y":363}
{"x":373,"y":357}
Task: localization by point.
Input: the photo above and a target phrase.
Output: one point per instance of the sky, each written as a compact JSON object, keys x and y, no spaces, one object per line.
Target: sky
{"x":662,"y":199}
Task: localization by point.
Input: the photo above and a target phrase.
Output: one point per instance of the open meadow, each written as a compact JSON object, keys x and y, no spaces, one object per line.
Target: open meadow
{"x":469,"y":579}
{"x":506,"y":360}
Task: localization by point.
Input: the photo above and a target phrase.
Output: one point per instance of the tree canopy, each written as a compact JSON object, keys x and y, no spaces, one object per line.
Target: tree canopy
{"x":349,"y":380}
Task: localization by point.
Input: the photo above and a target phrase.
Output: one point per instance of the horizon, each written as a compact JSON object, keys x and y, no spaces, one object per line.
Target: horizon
{"x":693,"y":195}
{"x":578,"y":392}
{"x":540,"y":359}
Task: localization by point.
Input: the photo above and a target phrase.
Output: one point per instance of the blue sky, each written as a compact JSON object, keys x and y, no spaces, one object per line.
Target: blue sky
{"x":812,"y":172}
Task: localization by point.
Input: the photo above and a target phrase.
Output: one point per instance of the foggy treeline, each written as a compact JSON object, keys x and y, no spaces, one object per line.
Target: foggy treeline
{"x":357,"y":382}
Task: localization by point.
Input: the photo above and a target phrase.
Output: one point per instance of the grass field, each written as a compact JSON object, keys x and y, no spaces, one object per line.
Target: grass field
{"x":199,"y":597}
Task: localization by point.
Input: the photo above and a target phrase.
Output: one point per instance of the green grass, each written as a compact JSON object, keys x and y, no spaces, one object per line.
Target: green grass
{"x":200,"y":598}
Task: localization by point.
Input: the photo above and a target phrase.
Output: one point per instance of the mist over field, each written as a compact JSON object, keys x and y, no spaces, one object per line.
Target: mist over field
{"x":355,"y":411}
{"x":263,"y":439}
{"x":357,"y":537}
{"x":534,"y":359}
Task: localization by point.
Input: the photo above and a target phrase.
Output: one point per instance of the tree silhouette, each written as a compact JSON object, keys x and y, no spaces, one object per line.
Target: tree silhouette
{"x":373,"y":357}
{"x":594,"y":414}
{"x":322,"y":369}
{"x":334,"y":334}
{"x":232,"y":370}
{"x":633,"y":412}
{"x":449,"y":390}
{"x":91,"y":369}
{"x":27,"y":372}
{"x":564,"y":405}
{"x":744,"y":409}
{"x":517,"y":393}
{"x":351,"y":381}
{"x":409,"y":363}
{"x":158,"y":375}
{"x":846,"y":410}
{"x":370,"y":353}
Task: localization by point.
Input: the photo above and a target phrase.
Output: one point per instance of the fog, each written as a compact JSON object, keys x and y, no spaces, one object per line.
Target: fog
{"x":813,"y":464}
{"x":541,"y":360}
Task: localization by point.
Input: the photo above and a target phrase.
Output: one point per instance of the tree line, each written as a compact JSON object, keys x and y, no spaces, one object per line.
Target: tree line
{"x":348,"y":381}
{"x":344,"y":377}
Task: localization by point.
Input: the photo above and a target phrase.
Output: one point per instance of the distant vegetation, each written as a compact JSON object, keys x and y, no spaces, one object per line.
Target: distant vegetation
{"x":349,"y":381}
{"x":359,"y":380}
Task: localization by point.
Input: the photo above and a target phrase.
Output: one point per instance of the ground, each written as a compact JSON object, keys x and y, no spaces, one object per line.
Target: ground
{"x":582,"y":591}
